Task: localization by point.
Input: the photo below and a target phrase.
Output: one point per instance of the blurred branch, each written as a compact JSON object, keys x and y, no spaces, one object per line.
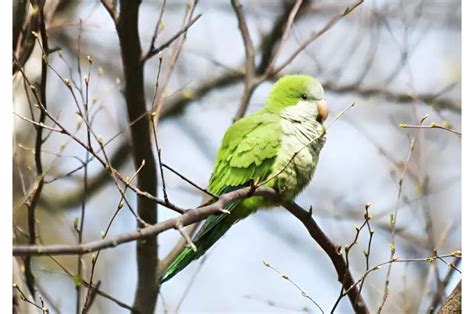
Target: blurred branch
{"x":316,"y":35}
{"x":70,"y":199}
{"x":249,"y":79}
{"x":26,"y":25}
{"x":154,"y":51}
{"x":19,"y":20}
{"x":157,"y":104}
{"x":31,"y":205}
{"x":430,"y":99}
{"x":25,"y":40}
{"x":276,"y":35}
{"x":431,"y":126}
{"x":158,"y":28}
{"x":452,"y":305}
{"x":284,"y":36}
{"x":253,"y":79}
{"x":109,"y":7}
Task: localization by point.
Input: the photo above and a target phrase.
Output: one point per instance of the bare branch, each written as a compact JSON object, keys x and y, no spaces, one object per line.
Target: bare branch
{"x":334,"y":253}
{"x":189,"y":217}
{"x":393,"y":222}
{"x":200,"y":213}
{"x":286,"y":277}
{"x":316,"y":35}
{"x":431,"y":126}
{"x":284,"y":37}
{"x":249,"y":79}
{"x":154,"y":51}
{"x":110,"y":9}
{"x":430,"y":99}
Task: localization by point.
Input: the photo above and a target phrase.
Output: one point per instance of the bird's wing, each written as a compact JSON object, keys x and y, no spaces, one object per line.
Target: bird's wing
{"x":247,"y":153}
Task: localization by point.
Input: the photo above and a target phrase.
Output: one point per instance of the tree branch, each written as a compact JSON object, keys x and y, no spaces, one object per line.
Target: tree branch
{"x":332,"y":250}
{"x":249,"y":79}
{"x":316,"y":35}
{"x":200,"y":213}
{"x":189,"y":217}
{"x":452,"y":305}
{"x":154,"y":51}
{"x":430,"y":99}
{"x":147,"y":251}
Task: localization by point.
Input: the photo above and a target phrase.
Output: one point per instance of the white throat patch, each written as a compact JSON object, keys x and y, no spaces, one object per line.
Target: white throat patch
{"x":303,"y":111}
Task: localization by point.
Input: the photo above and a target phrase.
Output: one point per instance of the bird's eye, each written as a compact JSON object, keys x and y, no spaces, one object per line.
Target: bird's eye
{"x":304,"y":97}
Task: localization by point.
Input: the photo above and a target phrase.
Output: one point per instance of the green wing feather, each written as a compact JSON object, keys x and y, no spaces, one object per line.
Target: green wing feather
{"x":247,"y":153}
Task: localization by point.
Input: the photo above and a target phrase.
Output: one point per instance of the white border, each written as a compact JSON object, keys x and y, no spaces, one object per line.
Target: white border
{"x":467,"y":150}
{"x":6,"y":127}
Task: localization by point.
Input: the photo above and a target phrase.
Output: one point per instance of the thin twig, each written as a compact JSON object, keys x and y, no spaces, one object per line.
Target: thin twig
{"x":87,"y":284}
{"x":190,"y":182}
{"x":24,"y":298}
{"x":429,"y":259}
{"x":431,"y":126}
{"x":286,"y":277}
{"x":393,"y":221}
{"x":157,"y":28}
{"x":347,"y":250}
{"x":316,"y":35}
{"x":284,"y":37}
{"x":93,"y":289}
{"x":154,"y":51}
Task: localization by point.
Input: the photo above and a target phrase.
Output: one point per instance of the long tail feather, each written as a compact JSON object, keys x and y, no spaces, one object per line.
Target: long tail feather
{"x":212,"y":229}
{"x":202,"y":245}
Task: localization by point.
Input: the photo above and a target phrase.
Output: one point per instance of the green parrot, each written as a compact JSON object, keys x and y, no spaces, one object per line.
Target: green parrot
{"x":261,"y":148}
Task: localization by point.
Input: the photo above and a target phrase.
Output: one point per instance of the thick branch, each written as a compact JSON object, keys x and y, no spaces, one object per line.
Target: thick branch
{"x":452,"y":305}
{"x":332,"y":250}
{"x":189,"y":217}
{"x":147,"y":251}
{"x":200,"y":213}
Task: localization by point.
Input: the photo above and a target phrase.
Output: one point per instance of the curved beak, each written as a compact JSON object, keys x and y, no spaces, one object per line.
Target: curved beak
{"x":322,"y":110}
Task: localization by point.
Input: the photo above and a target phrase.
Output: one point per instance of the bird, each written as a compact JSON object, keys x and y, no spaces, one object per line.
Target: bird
{"x":277,"y":147}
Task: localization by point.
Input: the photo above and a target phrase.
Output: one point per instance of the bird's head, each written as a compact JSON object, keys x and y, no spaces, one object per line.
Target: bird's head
{"x":292,"y":90}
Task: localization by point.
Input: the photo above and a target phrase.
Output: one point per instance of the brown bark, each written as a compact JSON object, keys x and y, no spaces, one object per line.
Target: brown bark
{"x":147,"y":251}
{"x":452,"y":304}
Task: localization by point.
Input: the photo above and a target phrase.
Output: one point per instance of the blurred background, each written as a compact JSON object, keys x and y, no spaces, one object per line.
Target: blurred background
{"x":397,"y":60}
